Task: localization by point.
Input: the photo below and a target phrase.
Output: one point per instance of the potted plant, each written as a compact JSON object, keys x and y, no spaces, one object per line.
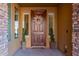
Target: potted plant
{"x":52,"y":39}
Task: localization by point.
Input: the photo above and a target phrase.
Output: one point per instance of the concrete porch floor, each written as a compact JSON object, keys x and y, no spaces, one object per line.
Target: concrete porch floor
{"x":38,"y":52}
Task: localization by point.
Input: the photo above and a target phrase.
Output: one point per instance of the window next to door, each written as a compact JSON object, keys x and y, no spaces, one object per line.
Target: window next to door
{"x":16,"y":23}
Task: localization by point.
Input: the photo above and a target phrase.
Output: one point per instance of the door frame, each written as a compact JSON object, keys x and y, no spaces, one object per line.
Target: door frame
{"x":54,"y":26}
{"x":47,"y":44}
{"x":27,"y":36}
{"x":28,"y":21}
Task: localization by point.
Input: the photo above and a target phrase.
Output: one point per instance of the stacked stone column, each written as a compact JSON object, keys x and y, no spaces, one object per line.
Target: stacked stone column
{"x":75,"y":30}
{"x":3,"y":29}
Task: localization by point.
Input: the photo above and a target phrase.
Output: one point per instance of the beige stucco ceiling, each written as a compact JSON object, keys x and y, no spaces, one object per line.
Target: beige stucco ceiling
{"x":37,"y":4}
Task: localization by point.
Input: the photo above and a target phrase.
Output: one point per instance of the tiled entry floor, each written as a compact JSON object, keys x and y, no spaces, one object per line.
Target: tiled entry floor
{"x":38,"y":52}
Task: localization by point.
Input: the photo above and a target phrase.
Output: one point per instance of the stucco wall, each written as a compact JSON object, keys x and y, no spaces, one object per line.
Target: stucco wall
{"x":13,"y":44}
{"x":65,"y":28}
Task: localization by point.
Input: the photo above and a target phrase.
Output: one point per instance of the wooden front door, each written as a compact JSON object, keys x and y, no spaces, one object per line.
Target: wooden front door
{"x":38,"y":28}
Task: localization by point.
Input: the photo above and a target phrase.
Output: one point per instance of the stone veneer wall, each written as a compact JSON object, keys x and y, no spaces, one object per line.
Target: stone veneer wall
{"x":3,"y":29}
{"x":75,"y":31}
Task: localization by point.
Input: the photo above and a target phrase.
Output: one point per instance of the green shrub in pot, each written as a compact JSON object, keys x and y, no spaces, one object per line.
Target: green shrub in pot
{"x":52,"y":39}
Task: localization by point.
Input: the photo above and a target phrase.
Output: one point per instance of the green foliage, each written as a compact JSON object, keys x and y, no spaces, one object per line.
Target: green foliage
{"x":23,"y":37}
{"x":26,"y":29}
{"x":51,"y":35}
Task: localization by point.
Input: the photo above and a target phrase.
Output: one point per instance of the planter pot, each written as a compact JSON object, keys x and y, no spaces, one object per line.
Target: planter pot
{"x":52,"y":45}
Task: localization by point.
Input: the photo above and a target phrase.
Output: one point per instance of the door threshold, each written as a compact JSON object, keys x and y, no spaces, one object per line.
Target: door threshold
{"x":38,"y":47}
